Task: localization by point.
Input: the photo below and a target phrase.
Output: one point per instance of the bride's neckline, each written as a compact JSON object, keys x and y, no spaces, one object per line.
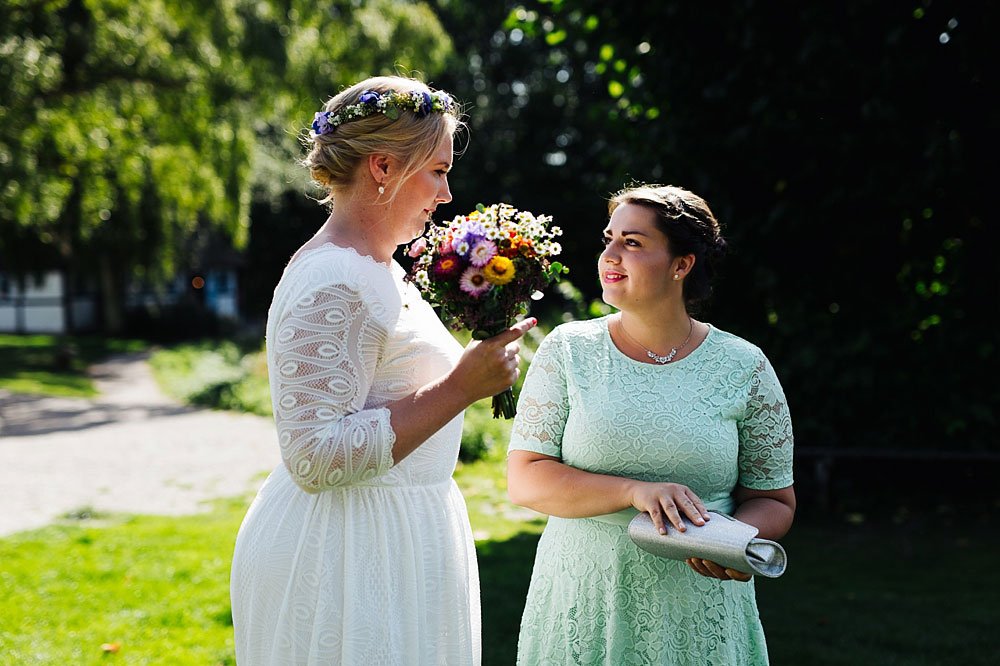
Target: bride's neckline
{"x":301,"y":255}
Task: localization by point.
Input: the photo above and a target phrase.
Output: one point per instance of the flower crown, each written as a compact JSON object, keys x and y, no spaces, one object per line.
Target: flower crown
{"x":388,"y":103}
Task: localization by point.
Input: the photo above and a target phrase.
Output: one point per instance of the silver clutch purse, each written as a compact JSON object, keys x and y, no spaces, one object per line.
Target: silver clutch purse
{"x":723,"y":540}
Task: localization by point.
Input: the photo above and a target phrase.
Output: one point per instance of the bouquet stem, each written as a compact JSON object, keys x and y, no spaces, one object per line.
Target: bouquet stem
{"x":505,"y":404}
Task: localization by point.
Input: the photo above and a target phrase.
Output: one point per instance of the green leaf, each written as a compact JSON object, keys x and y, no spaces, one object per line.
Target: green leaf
{"x":555,"y":37}
{"x":392,"y":111}
{"x":512,"y":19}
{"x":481,"y":208}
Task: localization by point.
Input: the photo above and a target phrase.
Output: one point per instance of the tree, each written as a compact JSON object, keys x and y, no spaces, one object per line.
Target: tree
{"x":843,"y":146}
{"x":131,"y":131}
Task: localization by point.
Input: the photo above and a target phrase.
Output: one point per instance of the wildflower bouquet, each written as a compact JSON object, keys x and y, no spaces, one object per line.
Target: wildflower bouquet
{"x":481,"y":269}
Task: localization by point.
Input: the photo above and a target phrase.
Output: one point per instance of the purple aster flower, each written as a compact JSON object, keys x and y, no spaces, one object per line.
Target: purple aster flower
{"x":471,"y":231}
{"x":321,"y":123}
{"x":425,"y":104}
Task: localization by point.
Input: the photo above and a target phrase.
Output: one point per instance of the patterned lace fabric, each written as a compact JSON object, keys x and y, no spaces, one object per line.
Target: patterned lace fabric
{"x":712,"y":420}
{"x":345,"y":557}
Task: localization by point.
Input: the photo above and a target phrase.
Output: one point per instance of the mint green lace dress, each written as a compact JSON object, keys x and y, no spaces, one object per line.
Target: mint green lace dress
{"x":712,"y":420}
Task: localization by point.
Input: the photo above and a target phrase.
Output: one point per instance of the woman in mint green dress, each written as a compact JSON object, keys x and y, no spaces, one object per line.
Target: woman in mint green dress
{"x":647,"y":410}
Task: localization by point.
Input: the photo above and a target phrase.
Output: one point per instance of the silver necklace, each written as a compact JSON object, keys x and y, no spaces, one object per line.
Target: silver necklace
{"x":656,"y":357}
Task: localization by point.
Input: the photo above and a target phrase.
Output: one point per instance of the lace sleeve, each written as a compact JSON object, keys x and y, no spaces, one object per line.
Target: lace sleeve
{"x":327,"y":345}
{"x":765,"y":433}
{"x":543,"y":406}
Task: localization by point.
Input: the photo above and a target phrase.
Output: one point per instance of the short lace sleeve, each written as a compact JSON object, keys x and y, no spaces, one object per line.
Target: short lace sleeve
{"x":765,"y":433}
{"x":543,"y":406}
{"x":325,"y":348}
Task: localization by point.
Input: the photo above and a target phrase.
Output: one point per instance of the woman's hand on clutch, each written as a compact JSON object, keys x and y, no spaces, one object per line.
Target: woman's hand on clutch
{"x":710,"y":569}
{"x":666,"y":501}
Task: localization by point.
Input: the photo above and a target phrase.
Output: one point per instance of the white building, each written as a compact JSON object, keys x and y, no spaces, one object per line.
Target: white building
{"x":42,"y":304}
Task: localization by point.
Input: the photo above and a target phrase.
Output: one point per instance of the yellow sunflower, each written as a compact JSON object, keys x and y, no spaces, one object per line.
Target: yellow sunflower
{"x":500,"y":270}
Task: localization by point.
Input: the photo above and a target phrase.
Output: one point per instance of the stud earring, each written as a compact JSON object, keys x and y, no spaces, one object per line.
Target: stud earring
{"x":676,"y":276}
{"x":381,"y":188}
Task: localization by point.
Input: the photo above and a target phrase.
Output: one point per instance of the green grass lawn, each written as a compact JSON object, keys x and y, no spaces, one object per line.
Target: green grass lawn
{"x":919,"y":591}
{"x":918,"y":588}
{"x":128,"y":590}
{"x":211,"y":373}
{"x":157,"y":587}
{"x":55,"y":365}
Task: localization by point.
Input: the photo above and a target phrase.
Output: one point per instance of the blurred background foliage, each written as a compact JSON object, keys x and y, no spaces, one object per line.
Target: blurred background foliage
{"x":844,"y":146}
{"x":132,"y":130}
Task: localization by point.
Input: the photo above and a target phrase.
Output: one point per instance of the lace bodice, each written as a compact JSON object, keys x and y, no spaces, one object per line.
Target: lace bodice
{"x":712,"y":420}
{"x":345,"y":337}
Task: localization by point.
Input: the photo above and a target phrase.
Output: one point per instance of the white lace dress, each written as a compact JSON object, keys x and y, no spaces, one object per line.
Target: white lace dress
{"x":344,"y":557}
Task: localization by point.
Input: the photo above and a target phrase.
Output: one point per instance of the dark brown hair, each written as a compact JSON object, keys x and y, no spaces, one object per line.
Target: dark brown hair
{"x":690,"y":228}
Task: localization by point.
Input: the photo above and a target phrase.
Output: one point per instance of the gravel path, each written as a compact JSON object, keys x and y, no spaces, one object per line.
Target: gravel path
{"x":131,"y":450}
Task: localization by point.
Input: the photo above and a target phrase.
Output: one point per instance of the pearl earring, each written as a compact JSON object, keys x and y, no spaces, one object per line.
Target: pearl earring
{"x":676,"y":276}
{"x":381,"y":188}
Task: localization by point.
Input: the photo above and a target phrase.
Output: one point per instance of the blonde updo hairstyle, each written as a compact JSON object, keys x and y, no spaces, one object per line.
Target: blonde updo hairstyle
{"x":690,"y":228}
{"x":334,"y":158}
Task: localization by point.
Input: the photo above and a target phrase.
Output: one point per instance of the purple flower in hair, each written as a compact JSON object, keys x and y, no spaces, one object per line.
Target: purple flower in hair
{"x":426,"y":105}
{"x":321,"y":123}
{"x":369,"y":97}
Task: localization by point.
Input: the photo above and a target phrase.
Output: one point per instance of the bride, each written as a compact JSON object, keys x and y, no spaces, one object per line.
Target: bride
{"x":358,"y":550}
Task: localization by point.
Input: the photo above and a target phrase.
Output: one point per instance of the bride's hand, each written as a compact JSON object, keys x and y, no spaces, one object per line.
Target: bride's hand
{"x":666,"y":501}
{"x":710,"y":569}
{"x":490,"y":366}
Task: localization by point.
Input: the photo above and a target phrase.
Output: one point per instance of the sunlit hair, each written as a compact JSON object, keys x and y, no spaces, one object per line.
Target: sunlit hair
{"x":690,"y":228}
{"x":334,"y":158}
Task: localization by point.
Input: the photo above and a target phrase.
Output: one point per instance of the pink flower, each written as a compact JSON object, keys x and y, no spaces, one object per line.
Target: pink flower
{"x":482,"y":252}
{"x":417,"y":247}
{"x":447,"y":266}
{"x":445,"y":247}
{"x":473,"y":282}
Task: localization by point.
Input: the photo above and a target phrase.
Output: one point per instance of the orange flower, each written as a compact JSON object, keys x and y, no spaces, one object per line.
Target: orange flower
{"x":526,"y":248}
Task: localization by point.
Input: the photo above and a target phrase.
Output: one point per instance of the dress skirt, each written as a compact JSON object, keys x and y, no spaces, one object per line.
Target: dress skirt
{"x":364,"y":574}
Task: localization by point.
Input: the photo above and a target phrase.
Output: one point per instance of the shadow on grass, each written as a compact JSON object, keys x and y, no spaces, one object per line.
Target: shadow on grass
{"x":56,"y":365}
{"x":504,"y":573}
{"x":918,"y":590}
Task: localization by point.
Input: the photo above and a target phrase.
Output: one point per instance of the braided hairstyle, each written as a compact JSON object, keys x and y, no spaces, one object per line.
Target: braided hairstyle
{"x":690,"y":227}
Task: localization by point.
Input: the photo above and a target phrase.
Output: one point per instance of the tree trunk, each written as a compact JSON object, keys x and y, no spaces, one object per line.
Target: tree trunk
{"x":111,"y":296}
